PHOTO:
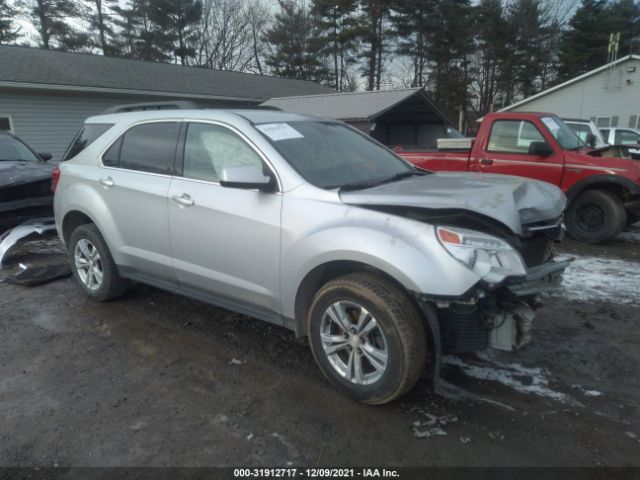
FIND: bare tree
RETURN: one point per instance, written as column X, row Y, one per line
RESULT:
column 230, row 35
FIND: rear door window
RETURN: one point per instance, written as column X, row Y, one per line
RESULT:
column 85, row 137
column 147, row 148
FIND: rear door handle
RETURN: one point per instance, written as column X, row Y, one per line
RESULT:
column 106, row 181
column 486, row 161
column 185, row 200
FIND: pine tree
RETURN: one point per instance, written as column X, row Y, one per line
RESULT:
column 9, row 31
column 127, row 23
column 51, row 18
column 177, row 20
column 412, row 23
column 144, row 39
column 297, row 50
column 101, row 20
column 374, row 33
column 338, row 29
column 584, row 45
column 624, row 16
column 490, row 56
column 527, row 43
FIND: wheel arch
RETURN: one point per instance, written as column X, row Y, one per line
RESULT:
column 620, row 186
column 72, row 220
column 330, row 270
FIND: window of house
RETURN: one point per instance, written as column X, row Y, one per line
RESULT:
column 603, row 122
column 634, row 121
column 6, row 122
column 148, row 148
column 513, row 136
column 626, row 137
column 210, row 148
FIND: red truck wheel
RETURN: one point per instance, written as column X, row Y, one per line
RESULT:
column 595, row 216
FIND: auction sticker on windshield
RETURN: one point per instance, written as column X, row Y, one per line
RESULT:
column 279, row 131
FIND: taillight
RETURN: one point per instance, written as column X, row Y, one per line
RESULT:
column 55, row 178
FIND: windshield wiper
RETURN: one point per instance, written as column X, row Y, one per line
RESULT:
column 375, row 183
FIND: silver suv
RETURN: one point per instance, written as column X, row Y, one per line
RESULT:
column 307, row 223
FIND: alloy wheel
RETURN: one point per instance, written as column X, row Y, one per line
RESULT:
column 354, row 342
column 88, row 264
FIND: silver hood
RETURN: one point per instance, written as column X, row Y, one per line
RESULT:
column 513, row 201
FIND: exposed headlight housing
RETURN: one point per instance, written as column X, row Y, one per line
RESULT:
column 490, row 257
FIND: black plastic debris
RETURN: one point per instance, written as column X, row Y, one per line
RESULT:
column 32, row 254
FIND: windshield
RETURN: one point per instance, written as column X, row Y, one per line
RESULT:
column 332, row 155
column 12, row 149
column 566, row 137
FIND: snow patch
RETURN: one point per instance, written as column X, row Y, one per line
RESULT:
column 522, row 379
column 632, row 234
column 592, row 393
column 594, row 278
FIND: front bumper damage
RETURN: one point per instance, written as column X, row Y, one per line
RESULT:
column 499, row 317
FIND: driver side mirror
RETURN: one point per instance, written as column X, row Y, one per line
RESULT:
column 540, row 149
column 249, row 177
column 45, row 156
column 591, row 140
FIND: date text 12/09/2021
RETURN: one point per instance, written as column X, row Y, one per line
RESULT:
column 315, row 473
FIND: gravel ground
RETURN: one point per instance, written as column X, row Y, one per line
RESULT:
column 155, row 379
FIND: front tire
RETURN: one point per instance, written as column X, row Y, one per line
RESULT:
column 595, row 216
column 367, row 338
column 93, row 266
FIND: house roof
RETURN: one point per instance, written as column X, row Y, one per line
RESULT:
column 36, row 68
column 570, row 82
column 355, row 106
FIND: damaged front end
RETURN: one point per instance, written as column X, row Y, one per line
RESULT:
column 500, row 314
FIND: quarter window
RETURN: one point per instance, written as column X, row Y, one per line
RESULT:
column 111, row 157
column 513, row 136
column 147, row 148
column 210, row 148
column 85, row 137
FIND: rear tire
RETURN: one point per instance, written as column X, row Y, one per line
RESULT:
column 595, row 216
column 379, row 339
column 93, row 266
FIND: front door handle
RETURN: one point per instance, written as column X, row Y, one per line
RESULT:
column 106, row 181
column 486, row 161
column 185, row 200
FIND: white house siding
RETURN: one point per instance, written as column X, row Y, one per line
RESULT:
column 608, row 93
column 48, row 121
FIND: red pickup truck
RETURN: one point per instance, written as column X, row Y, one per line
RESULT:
column 602, row 185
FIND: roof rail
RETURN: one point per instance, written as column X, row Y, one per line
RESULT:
column 137, row 107
column 177, row 105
